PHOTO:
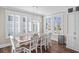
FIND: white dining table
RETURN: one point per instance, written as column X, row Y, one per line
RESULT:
column 24, row 39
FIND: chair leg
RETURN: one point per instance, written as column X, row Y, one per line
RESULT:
column 36, row 50
column 48, row 46
column 11, row 50
column 41, row 48
column 30, row 51
column 45, row 47
column 24, row 50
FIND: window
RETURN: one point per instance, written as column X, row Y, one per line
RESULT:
column 58, row 23
column 29, row 27
column 29, row 24
column 25, row 24
column 48, row 24
column 16, row 25
column 10, row 25
column 36, row 27
column 13, row 24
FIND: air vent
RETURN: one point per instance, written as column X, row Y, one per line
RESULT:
column 70, row 10
column 77, row 8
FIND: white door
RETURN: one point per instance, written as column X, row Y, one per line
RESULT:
column 71, row 41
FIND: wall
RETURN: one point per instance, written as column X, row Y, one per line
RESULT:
column 41, row 25
column 2, row 28
column 65, row 25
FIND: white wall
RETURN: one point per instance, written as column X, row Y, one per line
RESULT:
column 2, row 28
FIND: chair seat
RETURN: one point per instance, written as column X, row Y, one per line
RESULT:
column 26, row 46
column 20, row 49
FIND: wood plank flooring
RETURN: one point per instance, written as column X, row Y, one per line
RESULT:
column 55, row 48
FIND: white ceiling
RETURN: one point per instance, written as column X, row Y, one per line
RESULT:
column 42, row 10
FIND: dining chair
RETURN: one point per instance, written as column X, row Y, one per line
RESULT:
column 42, row 40
column 15, row 49
column 33, row 44
column 48, row 39
column 36, row 37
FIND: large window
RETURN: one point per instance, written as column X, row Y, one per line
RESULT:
column 58, row 23
column 29, row 26
column 16, row 25
column 48, row 24
column 24, row 30
column 33, row 26
column 36, row 27
column 13, row 24
column 10, row 26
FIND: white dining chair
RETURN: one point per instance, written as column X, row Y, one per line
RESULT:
column 48, row 38
column 15, row 49
column 42, row 40
column 33, row 44
column 36, row 37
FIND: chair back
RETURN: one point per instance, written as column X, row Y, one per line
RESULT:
column 33, row 43
column 43, row 39
column 49, row 36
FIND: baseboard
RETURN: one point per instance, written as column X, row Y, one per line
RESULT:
column 72, row 49
column 5, row 45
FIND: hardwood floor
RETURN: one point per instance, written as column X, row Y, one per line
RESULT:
column 55, row 48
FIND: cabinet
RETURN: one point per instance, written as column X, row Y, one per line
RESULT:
column 73, row 31
column 61, row 39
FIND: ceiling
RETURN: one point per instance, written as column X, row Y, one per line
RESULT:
column 41, row 10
